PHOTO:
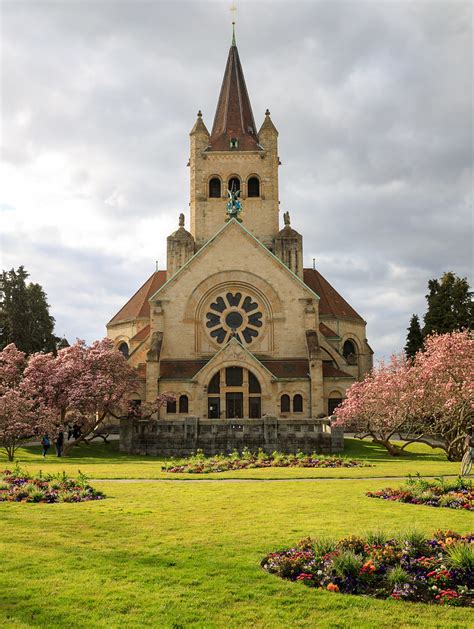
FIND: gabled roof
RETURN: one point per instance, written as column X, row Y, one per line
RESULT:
column 331, row 302
column 138, row 306
column 288, row 369
column 327, row 332
column 234, row 222
column 234, row 117
column 142, row 334
column 330, row 371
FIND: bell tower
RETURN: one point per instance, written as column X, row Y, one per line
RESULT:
column 234, row 156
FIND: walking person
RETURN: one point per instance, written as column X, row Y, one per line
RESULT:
column 59, row 443
column 45, row 444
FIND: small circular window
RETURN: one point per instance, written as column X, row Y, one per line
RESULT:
column 234, row 315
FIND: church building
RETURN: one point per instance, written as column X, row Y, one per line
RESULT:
column 236, row 327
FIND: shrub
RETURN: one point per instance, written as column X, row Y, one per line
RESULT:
column 347, row 564
column 397, row 576
column 461, row 555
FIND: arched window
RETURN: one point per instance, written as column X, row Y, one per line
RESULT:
column 183, row 404
column 215, row 188
column 215, row 383
column 297, row 403
column 349, row 352
column 285, row 403
column 253, row 187
column 123, row 347
column 171, row 406
column 254, row 384
column 234, row 184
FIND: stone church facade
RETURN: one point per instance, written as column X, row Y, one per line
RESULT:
column 236, row 328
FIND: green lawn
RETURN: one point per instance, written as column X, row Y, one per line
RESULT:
column 188, row 554
column 105, row 461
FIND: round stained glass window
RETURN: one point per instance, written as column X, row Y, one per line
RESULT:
column 234, row 315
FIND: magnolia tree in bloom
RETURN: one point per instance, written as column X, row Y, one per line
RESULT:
column 380, row 405
column 430, row 398
column 82, row 384
column 22, row 414
column 444, row 377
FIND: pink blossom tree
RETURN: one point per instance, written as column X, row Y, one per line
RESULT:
column 382, row 405
column 428, row 400
column 22, row 414
column 444, row 376
column 82, row 384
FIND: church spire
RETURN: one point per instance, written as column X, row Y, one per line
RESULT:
column 234, row 125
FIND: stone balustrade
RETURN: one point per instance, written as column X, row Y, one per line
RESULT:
column 182, row 437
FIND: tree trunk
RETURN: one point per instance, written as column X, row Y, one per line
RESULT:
column 391, row 448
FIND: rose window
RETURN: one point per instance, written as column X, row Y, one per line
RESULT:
column 234, row 315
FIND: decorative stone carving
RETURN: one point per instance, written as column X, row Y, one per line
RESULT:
column 155, row 347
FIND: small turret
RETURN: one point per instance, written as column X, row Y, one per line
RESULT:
column 268, row 134
column 288, row 246
column 180, row 248
column 199, row 133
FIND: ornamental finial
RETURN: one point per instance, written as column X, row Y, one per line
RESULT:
column 233, row 9
column 181, row 220
column 286, row 218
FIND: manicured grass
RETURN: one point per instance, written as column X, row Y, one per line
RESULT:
column 105, row 461
column 188, row 555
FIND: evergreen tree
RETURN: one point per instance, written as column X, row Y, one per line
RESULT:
column 24, row 314
column 414, row 337
column 450, row 306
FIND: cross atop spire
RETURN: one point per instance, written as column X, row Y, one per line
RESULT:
column 233, row 8
column 234, row 125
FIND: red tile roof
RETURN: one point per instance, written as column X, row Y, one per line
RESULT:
column 293, row 368
column 327, row 332
column 331, row 302
column 138, row 306
column 142, row 335
column 329, row 371
column 234, row 117
column 180, row 369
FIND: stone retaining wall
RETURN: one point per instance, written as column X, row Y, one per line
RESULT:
column 183, row 437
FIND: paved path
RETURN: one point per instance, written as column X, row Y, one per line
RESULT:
column 249, row 480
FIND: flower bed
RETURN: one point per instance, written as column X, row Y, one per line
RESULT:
column 412, row 568
column 453, row 494
column 199, row 464
column 19, row 486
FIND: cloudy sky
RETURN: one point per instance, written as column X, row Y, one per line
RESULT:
column 372, row 100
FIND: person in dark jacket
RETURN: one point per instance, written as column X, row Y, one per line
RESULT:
column 45, row 444
column 59, row 443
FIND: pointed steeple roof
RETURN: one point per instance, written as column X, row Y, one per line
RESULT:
column 234, row 117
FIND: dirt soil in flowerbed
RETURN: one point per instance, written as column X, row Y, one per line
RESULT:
column 451, row 493
column 438, row 570
column 199, row 464
column 19, row 486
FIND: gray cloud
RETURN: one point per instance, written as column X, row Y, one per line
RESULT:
column 372, row 100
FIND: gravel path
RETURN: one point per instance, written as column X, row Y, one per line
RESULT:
column 248, row 480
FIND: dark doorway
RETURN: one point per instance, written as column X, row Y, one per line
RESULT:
column 213, row 408
column 255, row 407
column 333, row 403
column 234, row 405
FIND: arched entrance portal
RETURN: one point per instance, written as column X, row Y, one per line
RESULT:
column 234, row 393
